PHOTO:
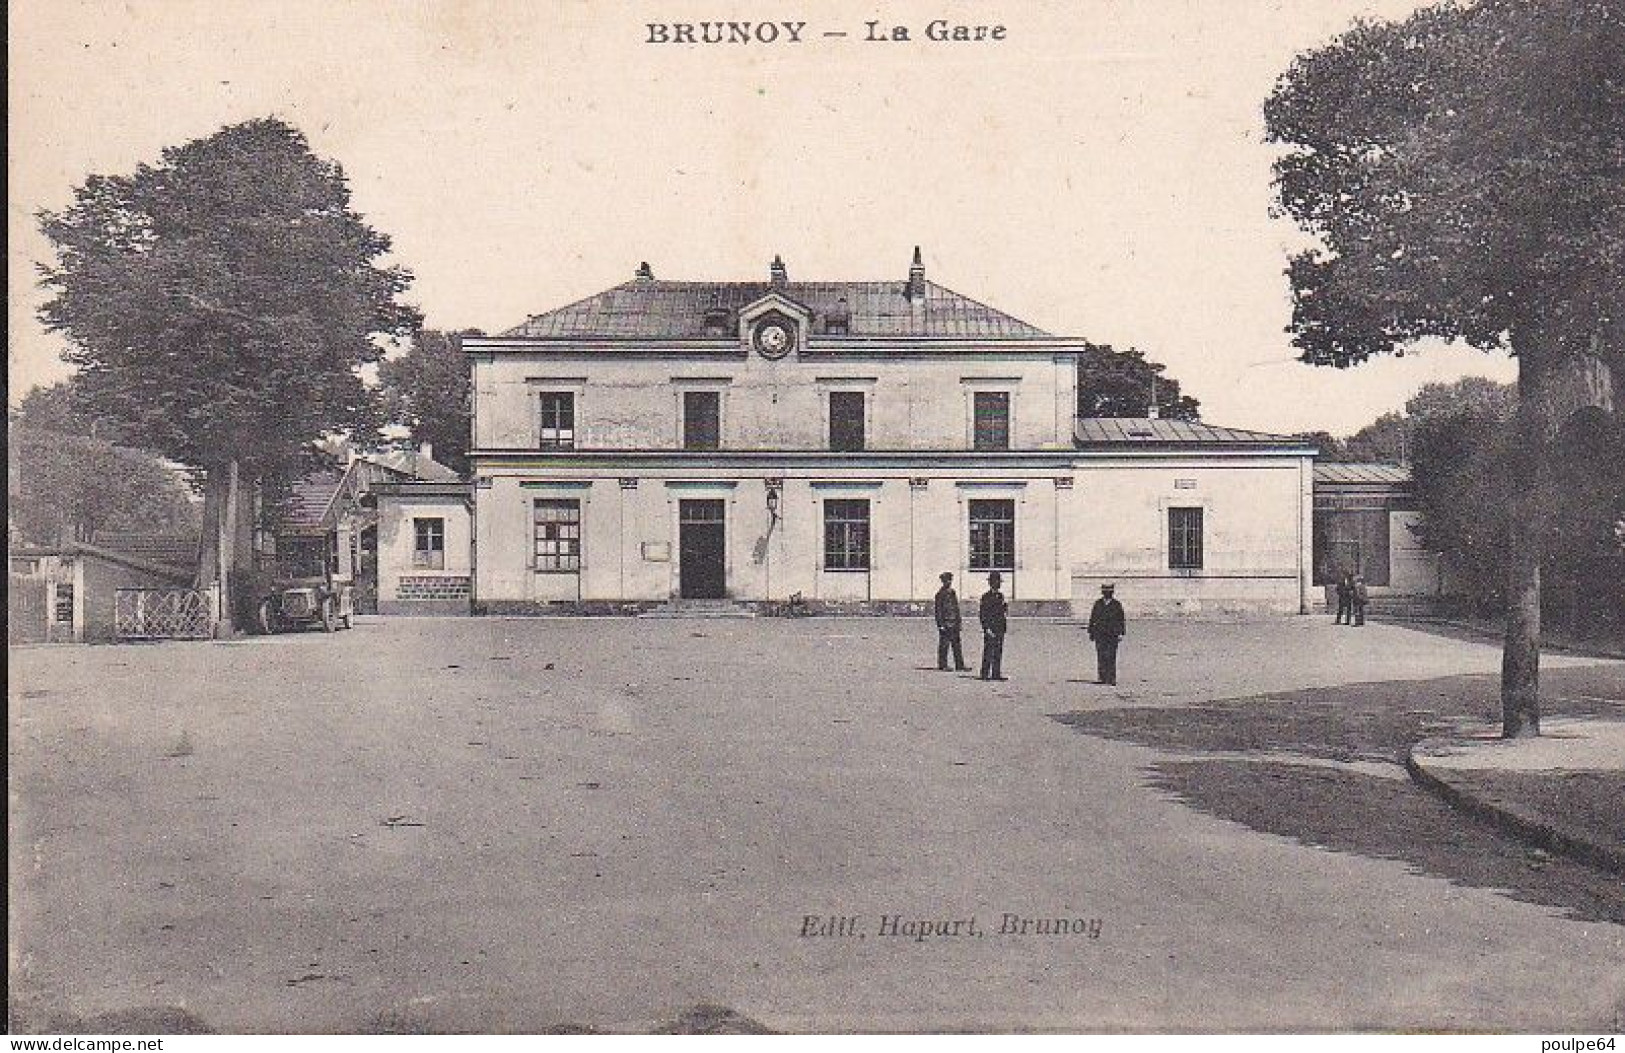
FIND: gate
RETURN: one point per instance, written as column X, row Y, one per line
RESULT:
column 164, row 614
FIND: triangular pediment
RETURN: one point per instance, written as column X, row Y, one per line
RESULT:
column 775, row 301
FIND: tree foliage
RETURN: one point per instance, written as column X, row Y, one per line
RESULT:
column 1330, row 447
column 1463, row 172
column 1465, row 490
column 68, row 487
column 220, row 303
column 72, row 480
column 220, row 306
column 1115, row 383
column 1391, row 437
column 426, row 391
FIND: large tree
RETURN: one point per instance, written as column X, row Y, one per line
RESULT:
column 426, row 391
column 1463, row 172
column 220, row 305
column 1114, row 383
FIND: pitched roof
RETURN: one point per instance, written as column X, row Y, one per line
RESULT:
column 317, row 500
column 1384, row 474
column 652, row 309
column 309, row 498
column 168, row 550
column 414, row 464
column 1117, row 432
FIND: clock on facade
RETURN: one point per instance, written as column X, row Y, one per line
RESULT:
column 773, row 337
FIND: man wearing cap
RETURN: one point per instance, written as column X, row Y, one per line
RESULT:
column 992, row 614
column 1107, row 625
column 948, row 622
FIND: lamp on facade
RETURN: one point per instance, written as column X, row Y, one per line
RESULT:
column 774, row 487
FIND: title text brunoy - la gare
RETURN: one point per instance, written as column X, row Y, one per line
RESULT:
column 938, row 30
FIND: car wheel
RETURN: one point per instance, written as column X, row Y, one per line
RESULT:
column 266, row 617
column 329, row 617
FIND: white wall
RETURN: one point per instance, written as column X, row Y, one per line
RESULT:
column 401, row 583
column 913, row 403
column 1077, row 524
column 1255, row 534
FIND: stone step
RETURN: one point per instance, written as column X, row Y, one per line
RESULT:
column 700, row 609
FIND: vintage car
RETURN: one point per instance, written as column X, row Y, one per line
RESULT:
column 307, row 602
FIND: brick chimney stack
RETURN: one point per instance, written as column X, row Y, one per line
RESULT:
column 645, row 273
column 916, row 277
column 778, row 274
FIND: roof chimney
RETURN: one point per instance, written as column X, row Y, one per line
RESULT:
column 777, row 273
column 645, row 273
column 916, row 277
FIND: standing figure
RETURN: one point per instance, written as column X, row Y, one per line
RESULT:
column 1345, row 599
column 992, row 614
column 1107, row 625
column 1361, row 598
column 948, row 622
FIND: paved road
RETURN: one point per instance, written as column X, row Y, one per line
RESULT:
column 501, row 824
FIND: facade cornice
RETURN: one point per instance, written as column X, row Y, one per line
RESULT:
column 818, row 347
column 902, row 460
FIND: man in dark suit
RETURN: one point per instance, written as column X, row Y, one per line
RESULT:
column 1107, row 625
column 948, row 621
column 992, row 614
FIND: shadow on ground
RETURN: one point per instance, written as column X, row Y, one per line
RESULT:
column 138, row 1020
column 704, row 1019
column 1346, row 810
column 172, row 1020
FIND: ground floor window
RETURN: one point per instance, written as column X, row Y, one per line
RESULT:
column 429, row 542
column 62, row 613
column 1185, row 539
column 993, row 535
column 558, row 534
column 846, row 534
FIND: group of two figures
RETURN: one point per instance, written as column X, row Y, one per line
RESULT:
column 1107, row 625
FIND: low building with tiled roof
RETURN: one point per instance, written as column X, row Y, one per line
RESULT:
column 675, row 442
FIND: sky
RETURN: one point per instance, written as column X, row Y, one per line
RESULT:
column 1101, row 172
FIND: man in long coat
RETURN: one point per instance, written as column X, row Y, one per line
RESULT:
column 1107, row 625
column 992, row 613
column 949, row 620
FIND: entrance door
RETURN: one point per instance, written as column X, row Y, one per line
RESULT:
column 701, row 542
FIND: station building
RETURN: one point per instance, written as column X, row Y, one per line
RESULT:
column 682, row 442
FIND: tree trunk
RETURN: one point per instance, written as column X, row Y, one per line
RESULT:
column 1526, row 535
column 1552, row 385
column 218, row 556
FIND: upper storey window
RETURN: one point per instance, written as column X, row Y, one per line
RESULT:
column 702, row 420
column 846, row 420
column 558, row 420
column 991, row 411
